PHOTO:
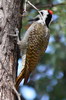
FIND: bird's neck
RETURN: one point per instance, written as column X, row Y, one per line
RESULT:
column 42, row 20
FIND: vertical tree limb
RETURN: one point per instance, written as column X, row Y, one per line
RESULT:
column 9, row 20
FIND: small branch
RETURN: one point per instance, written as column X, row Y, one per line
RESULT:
column 26, row 1
column 35, row 9
column 12, row 87
column 16, row 92
column 50, row 5
column 53, row 5
column 32, row 5
column 25, row 5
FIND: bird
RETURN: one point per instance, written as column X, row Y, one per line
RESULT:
column 34, row 44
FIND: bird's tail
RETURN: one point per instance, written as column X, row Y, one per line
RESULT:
column 23, row 75
column 19, row 78
column 27, row 74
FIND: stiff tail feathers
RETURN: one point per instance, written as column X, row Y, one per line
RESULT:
column 23, row 75
column 19, row 78
column 27, row 74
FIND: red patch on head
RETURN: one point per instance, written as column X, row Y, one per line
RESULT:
column 50, row 11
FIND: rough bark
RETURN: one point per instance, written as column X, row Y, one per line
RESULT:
column 9, row 20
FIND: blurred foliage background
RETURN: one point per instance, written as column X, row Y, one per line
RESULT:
column 48, row 81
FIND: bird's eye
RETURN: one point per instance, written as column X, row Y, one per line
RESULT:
column 42, row 13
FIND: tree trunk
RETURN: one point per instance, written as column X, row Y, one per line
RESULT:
column 9, row 20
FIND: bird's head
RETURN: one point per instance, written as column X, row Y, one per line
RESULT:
column 45, row 17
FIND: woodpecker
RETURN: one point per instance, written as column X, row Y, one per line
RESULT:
column 34, row 44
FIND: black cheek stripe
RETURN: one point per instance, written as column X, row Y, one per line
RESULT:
column 48, row 19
